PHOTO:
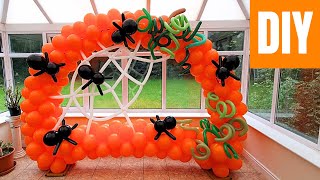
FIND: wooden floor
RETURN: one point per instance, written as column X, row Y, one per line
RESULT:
column 130, row 168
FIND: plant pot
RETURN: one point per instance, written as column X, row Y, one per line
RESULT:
column 16, row 111
column 6, row 162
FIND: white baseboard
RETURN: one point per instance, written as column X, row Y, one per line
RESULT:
column 259, row 166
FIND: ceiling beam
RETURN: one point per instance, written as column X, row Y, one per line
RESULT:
column 244, row 9
column 203, row 5
column 94, row 7
column 43, row 11
column 5, row 11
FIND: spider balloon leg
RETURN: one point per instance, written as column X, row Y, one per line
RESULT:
column 170, row 135
column 152, row 120
column 100, row 90
column 215, row 64
column 222, row 82
column 63, row 122
column 87, row 84
column 74, row 126
column 234, row 77
column 54, row 77
column 71, row 141
column 39, row 73
column 158, row 118
column 157, row 136
column 57, row 147
column 130, row 38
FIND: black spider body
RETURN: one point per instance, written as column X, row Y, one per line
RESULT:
column 225, row 67
column 163, row 126
column 129, row 27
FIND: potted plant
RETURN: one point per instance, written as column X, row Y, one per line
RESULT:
column 12, row 100
column 6, row 157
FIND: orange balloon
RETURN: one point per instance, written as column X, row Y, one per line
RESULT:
column 217, row 153
column 221, row 91
column 175, row 152
column 66, row 30
column 103, row 150
column 92, row 32
column 48, row 47
column 89, row 142
column 27, row 130
column 164, row 143
column 207, row 46
column 32, row 83
column 27, row 140
column 209, row 56
column 102, row 133
column 105, row 39
column 51, row 90
column 138, row 153
column 65, row 148
column 138, row 13
column 114, row 14
column 72, row 56
column 234, row 164
column 69, row 160
column 150, row 132
column 90, row 19
column 115, row 126
column 37, row 97
column 139, row 125
column 58, row 166
column 23, row 116
column 92, row 155
column 208, row 84
column 126, row 132
column 49, row 122
column 114, row 141
column 180, row 54
column 161, row 154
column 89, row 45
column 220, row 170
column 129, row 15
column 79, row 28
column 139, row 140
column 78, row 153
column 44, row 161
column 210, row 71
column 103, row 22
column 34, row 149
column 38, row 135
column 185, row 158
column 74, row 42
column 126, row 149
column 57, row 56
column 59, row 42
column 178, row 132
column 34, row 119
column 25, row 92
column 241, row 109
column 47, row 108
column 235, row 97
column 115, row 153
column 195, row 57
column 187, row 145
column 197, row 70
column 150, row 150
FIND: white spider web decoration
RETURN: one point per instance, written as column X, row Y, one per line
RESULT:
column 121, row 52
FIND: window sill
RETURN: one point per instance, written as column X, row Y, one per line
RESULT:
column 146, row 115
column 285, row 138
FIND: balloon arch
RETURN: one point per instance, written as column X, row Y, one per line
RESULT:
column 215, row 143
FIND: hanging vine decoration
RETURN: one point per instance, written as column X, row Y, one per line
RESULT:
column 204, row 155
column 185, row 122
column 179, row 24
column 220, row 136
column 220, row 105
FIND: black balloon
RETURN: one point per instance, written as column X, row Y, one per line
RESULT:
column 231, row 62
column 85, row 72
column 98, row 78
column 36, row 62
column 162, row 126
column 224, row 67
column 51, row 138
column 130, row 26
column 170, row 122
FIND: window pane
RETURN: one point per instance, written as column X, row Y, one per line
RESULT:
column 183, row 92
column 20, row 71
column 25, row 43
column 298, row 104
column 227, row 40
column 2, row 95
column 66, row 91
column 1, row 45
column 238, row 71
column 107, row 100
column 151, row 94
column 260, row 92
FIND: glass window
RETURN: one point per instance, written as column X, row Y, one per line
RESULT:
column 183, row 92
column 2, row 94
column 238, row 71
column 66, row 91
column 1, row 47
column 227, row 40
column 20, row 71
column 151, row 94
column 298, row 107
column 112, row 74
column 260, row 92
column 25, row 43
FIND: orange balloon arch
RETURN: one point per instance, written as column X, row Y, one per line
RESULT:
column 215, row 143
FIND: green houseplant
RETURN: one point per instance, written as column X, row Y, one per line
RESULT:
column 6, row 157
column 12, row 101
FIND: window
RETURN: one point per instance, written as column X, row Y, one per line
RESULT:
column 151, row 94
column 25, row 43
column 2, row 86
column 260, row 92
column 298, row 108
column 19, row 73
column 183, row 92
column 227, row 40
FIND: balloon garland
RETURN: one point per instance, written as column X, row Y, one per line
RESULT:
column 215, row 143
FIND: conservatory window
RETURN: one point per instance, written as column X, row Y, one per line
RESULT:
column 2, row 106
column 260, row 92
column 25, row 43
column 298, row 107
column 227, row 40
column 20, row 71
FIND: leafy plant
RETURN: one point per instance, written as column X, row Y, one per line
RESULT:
column 12, row 97
column 5, row 148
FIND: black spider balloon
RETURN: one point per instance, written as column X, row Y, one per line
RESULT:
column 225, row 67
column 163, row 126
column 129, row 27
column 55, row 138
column 38, row 62
column 86, row 72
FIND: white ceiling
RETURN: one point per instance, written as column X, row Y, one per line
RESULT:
column 68, row 11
